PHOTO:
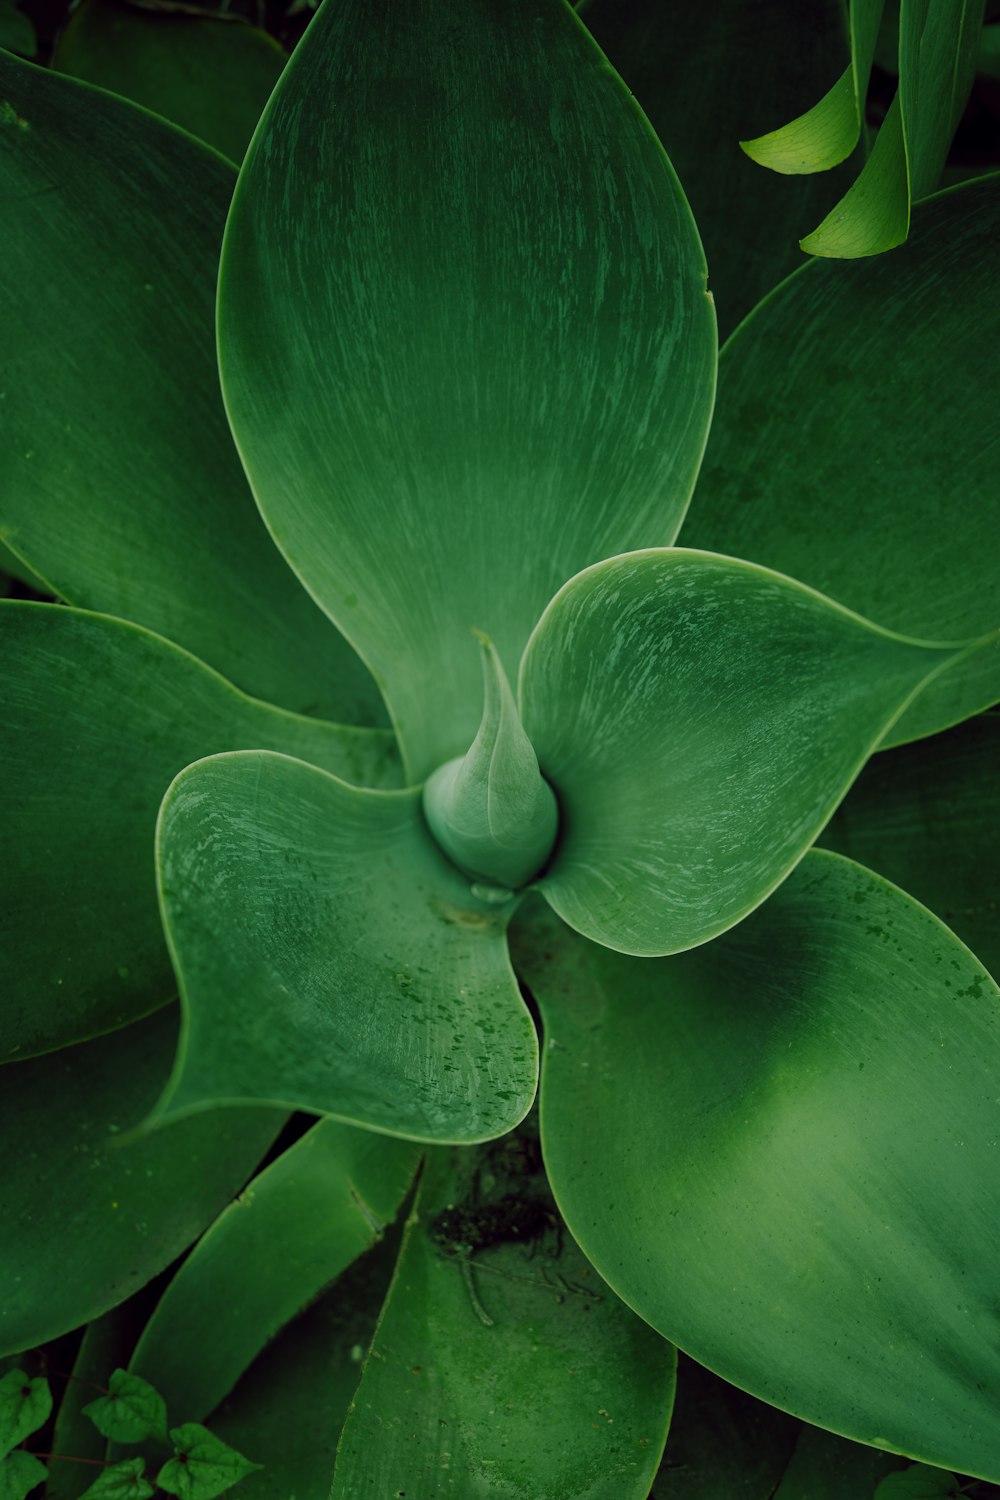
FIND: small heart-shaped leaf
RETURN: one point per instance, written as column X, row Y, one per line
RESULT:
column 131, row 1411
column 24, row 1406
column 204, row 1467
column 20, row 1472
column 122, row 1481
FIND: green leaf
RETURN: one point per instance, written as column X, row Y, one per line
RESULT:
column 17, row 34
column 123, row 1206
column 826, row 1467
column 925, row 817
column 131, row 1411
column 106, row 1345
column 19, row 1473
column 700, row 719
column 119, row 483
column 826, row 134
column 291, row 1404
column 486, row 341
column 24, row 1406
column 918, row 1483
column 798, row 1183
column 828, row 461
column 937, row 55
column 765, row 61
column 330, row 957
column 99, row 716
column 122, row 1481
column 509, row 1369
column 204, row 1466
column 210, row 76
column 290, row 1233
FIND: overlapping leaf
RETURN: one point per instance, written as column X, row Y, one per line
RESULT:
column 331, row 958
column 797, row 1183
column 119, row 483
column 290, row 1234
column 126, row 1205
column 99, row 717
column 699, row 718
column 483, row 359
column 853, row 446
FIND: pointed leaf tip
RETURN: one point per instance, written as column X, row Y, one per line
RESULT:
column 491, row 810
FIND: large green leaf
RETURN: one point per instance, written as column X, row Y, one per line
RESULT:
column 465, row 342
column 331, row 958
column 119, row 483
column 782, row 1150
column 851, row 448
column 707, row 75
column 700, row 718
column 291, row 1232
column 503, row 1366
column 91, row 1214
column 925, row 816
column 211, row 76
column 99, row 716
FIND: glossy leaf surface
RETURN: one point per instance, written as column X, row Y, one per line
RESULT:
column 811, row 1110
column 487, row 346
column 290, row 1233
column 699, row 718
column 849, row 445
column 706, row 75
column 126, row 1205
column 119, row 483
column 925, row 816
column 506, row 1371
column 99, row 717
column 212, row 77
column 330, row 957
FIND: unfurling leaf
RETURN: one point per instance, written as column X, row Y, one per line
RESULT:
column 204, row 1466
column 24, row 1406
column 131, row 1411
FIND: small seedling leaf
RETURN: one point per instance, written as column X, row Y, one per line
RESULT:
column 122, row 1481
column 131, row 1411
column 19, row 1473
column 918, row 1483
column 204, row 1465
column 24, row 1406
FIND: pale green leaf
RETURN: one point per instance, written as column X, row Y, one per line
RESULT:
column 799, row 1183
column 207, row 75
column 854, row 443
column 205, row 1466
column 829, row 132
column 122, row 1481
column 699, row 718
column 330, row 957
column 25, row 1404
column 99, row 717
column 81, row 1192
column 131, row 1411
column 463, row 320
column 502, row 1366
column 290, row 1233
column 19, row 1473
column 119, row 482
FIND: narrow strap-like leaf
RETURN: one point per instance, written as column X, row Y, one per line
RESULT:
column 330, row 957
column 799, row 1183
column 464, row 337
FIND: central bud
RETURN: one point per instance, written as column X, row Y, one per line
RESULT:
column 491, row 810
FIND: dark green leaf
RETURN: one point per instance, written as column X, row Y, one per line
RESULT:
column 99, row 716
column 91, row 1214
column 848, row 443
column 204, row 1467
column 290, row 1233
column 119, row 482
column 826, row 1467
column 131, row 1411
column 122, row 1481
column 699, row 719
column 486, row 344
column 330, row 957
column 24, row 1407
column 105, row 1346
column 17, row 34
column 19, row 1473
column 918, row 1483
column 782, row 1150
column 502, row 1365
